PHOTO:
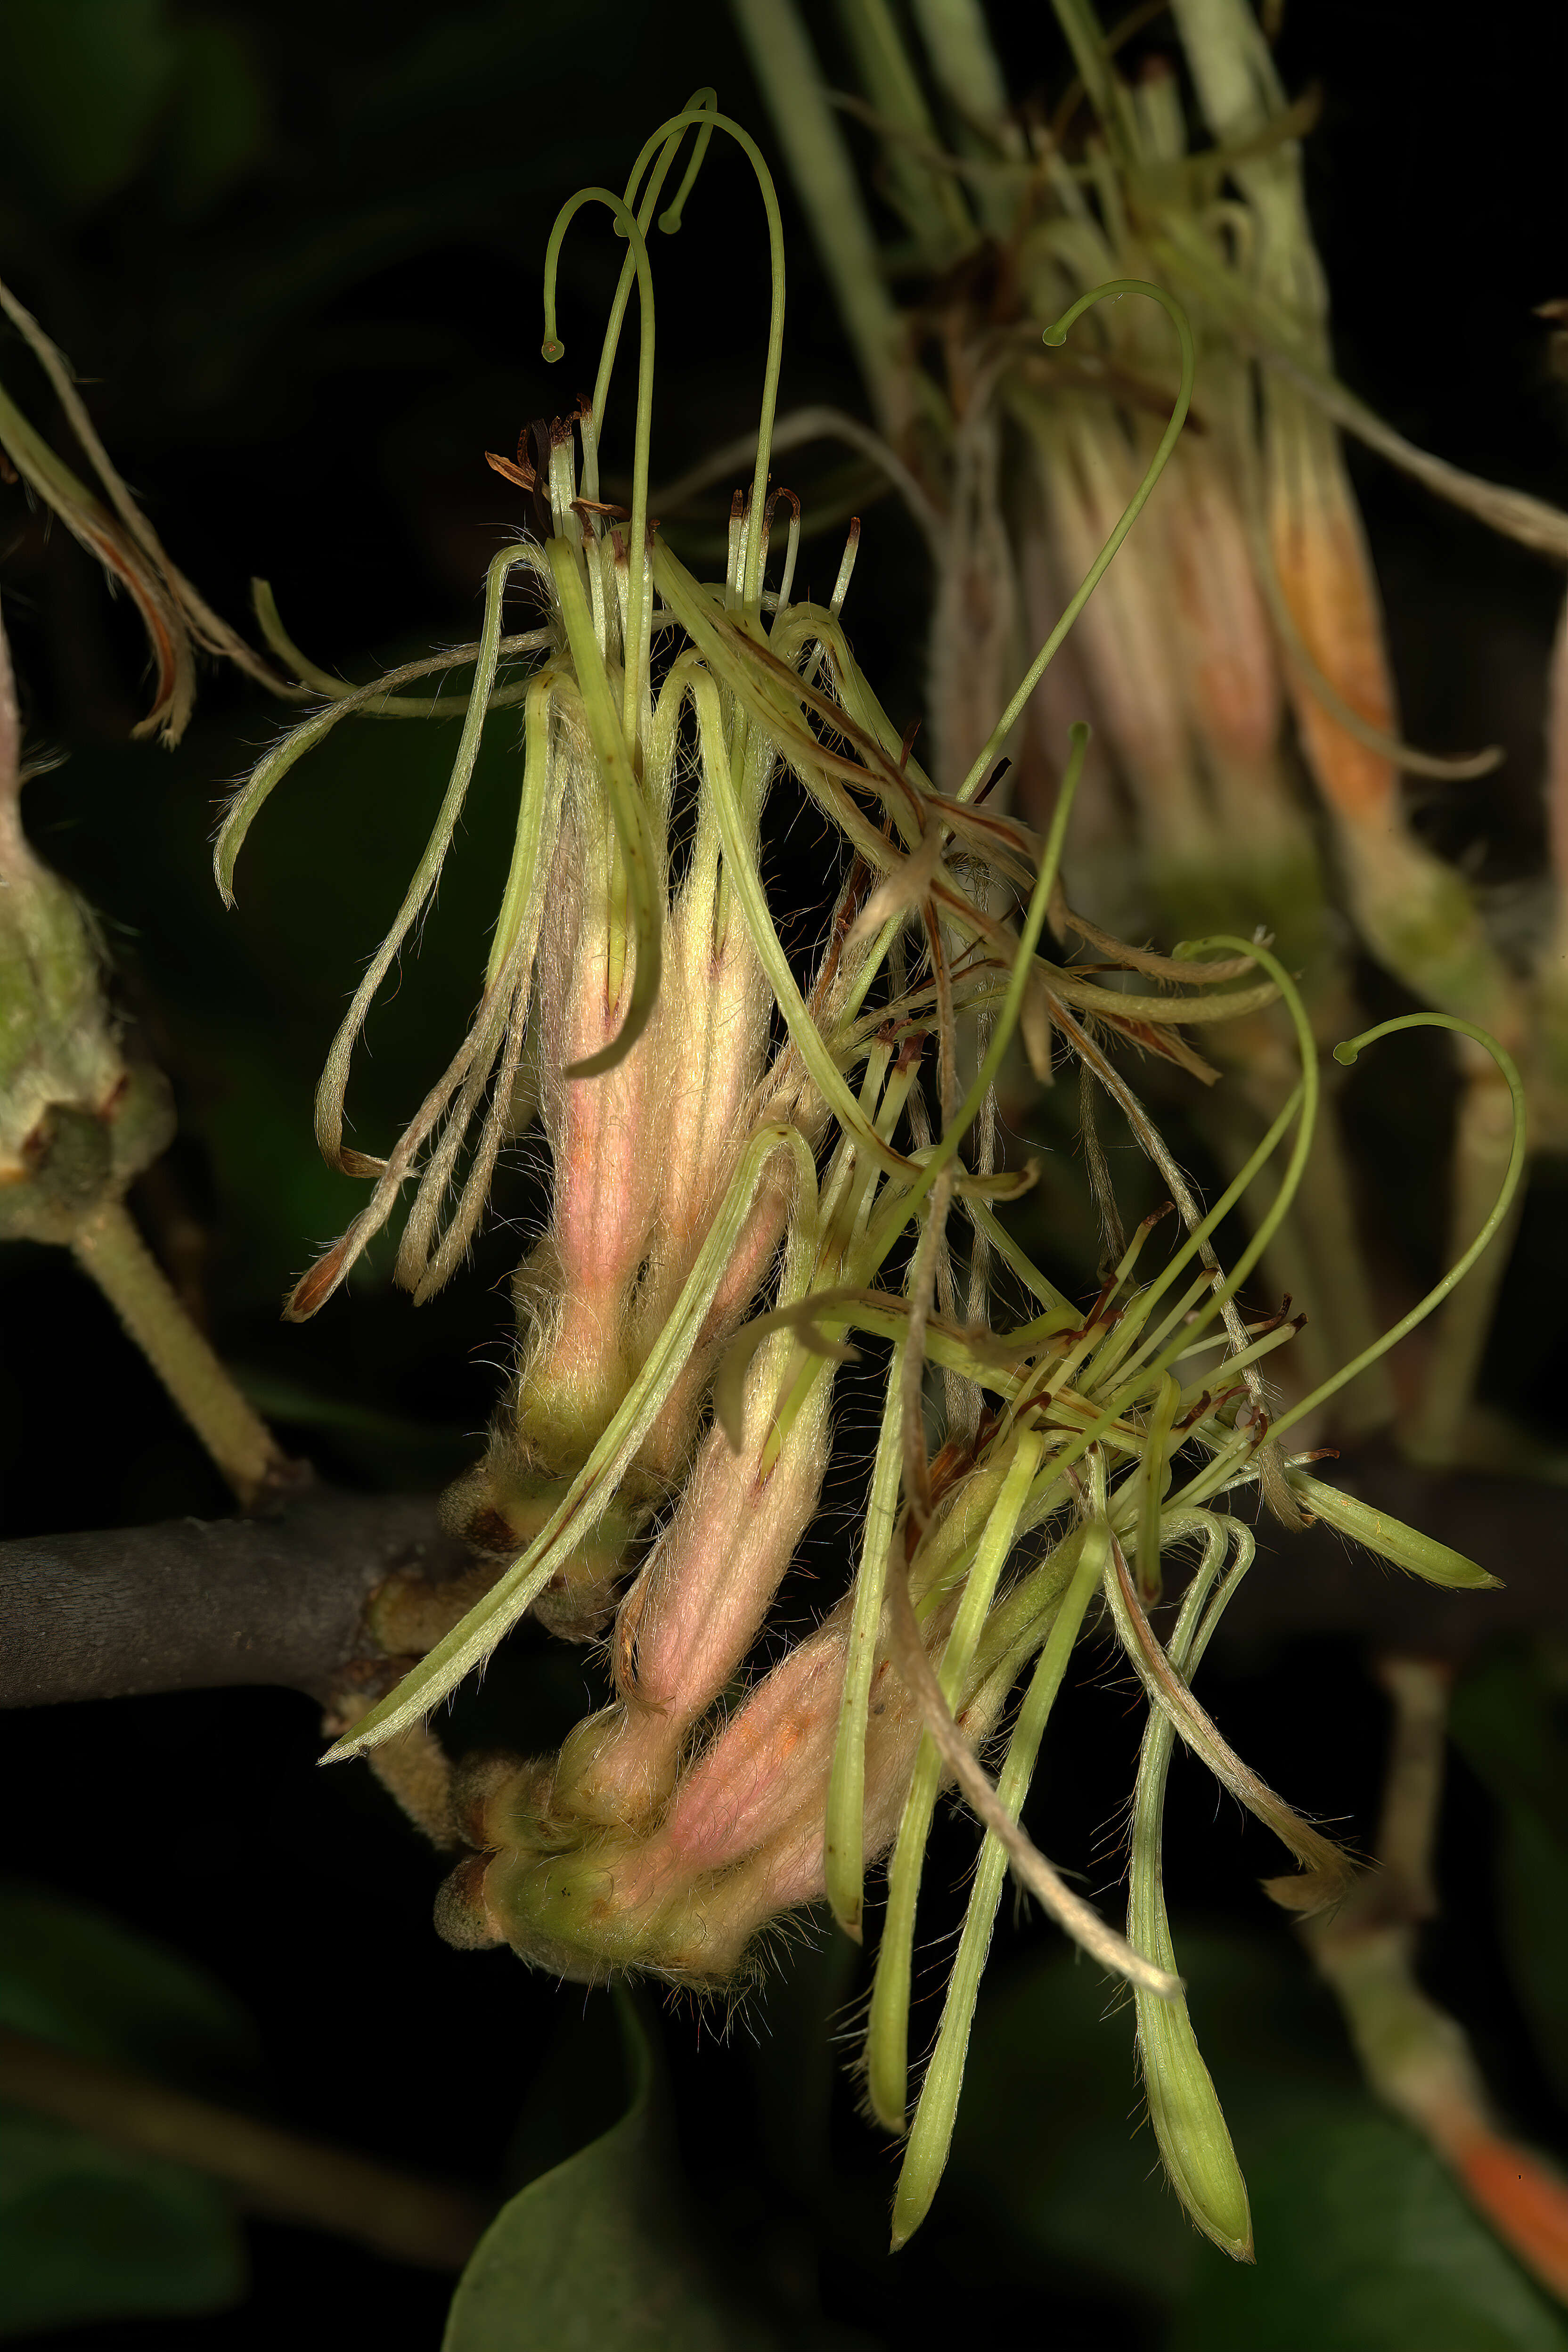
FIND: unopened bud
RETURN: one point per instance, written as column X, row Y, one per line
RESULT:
column 499, row 1508
column 77, row 1117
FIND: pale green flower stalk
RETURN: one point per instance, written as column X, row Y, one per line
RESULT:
column 744, row 1174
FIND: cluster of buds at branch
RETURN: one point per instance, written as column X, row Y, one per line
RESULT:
column 746, row 1172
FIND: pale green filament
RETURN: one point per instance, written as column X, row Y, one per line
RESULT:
column 1183, row 2106
column 1305, row 1098
column 1155, row 1475
column 632, row 694
column 358, row 701
column 1059, row 335
column 709, row 121
column 333, row 1085
column 844, row 1842
column 1013, row 1005
column 705, row 100
column 524, row 879
column 706, row 97
column 886, row 2040
column 1347, row 1053
column 634, row 835
column 932, row 2135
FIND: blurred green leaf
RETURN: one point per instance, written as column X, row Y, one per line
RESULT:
column 1082, row 2185
column 71, row 1975
column 82, row 83
column 598, row 2253
column 1364, row 2243
column 90, row 2232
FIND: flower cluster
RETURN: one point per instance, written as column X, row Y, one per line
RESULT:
column 1248, row 763
column 746, row 1170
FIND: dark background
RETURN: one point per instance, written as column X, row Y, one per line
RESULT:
column 295, row 251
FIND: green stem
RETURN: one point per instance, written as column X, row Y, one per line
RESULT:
column 109, row 1247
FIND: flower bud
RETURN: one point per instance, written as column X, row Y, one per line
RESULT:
column 79, row 1118
column 501, row 1503
column 741, row 1841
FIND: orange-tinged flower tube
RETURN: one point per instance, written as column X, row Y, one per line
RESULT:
column 1415, row 912
column 1325, row 574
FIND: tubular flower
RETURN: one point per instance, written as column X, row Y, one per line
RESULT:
column 748, row 1171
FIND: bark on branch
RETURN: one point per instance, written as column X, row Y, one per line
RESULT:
column 308, row 1597
column 194, row 1604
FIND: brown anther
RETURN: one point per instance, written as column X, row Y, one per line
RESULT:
column 992, row 780
column 311, row 1288
column 628, row 1623
column 908, row 744
column 1095, row 1312
column 521, row 479
column 953, row 1462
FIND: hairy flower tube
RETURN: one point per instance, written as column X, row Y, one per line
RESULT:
column 750, row 1173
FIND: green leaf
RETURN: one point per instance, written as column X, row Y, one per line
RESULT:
column 90, row 2232
column 1082, row 2189
column 1364, row 2243
column 71, row 1975
column 82, row 83
column 598, row 2256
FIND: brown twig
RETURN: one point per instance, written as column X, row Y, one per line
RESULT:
column 277, row 2172
column 194, row 1605
column 331, row 1579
